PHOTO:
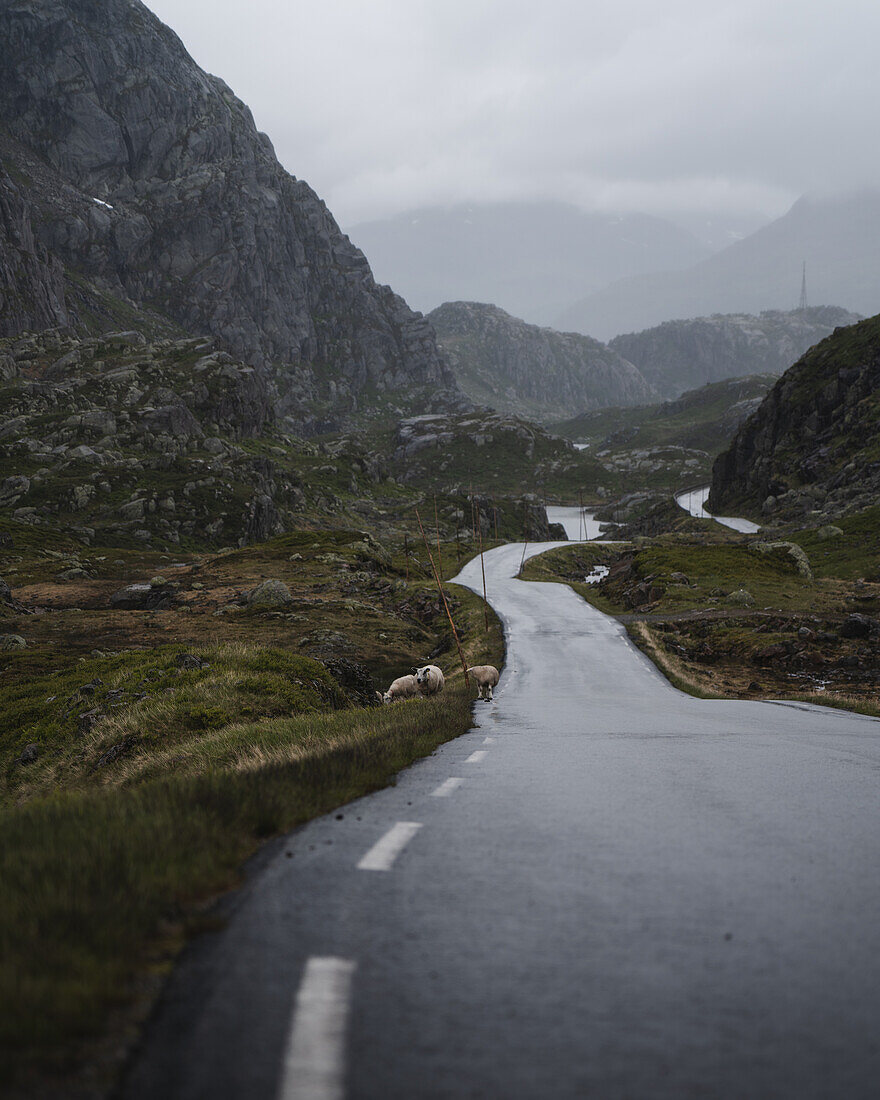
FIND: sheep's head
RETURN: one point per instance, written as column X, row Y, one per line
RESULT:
column 386, row 698
column 422, row 674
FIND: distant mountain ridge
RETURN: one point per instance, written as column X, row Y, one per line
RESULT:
column 681, row 355
column 838, row 238
column 529, row 258
column 519, row 368
column 147, row 180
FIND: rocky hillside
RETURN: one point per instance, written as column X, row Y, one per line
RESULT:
column 812, row 450
column 31, row 281
column 681, row 355
column 493, row 453
column 529, row 371
column 147, row 180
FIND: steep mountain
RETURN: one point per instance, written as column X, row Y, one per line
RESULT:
column 680, row 355
column 31, row 281
column 147, row 178
column 838, row 238
column 812, row 449
column 519, row 368
column 531, row 258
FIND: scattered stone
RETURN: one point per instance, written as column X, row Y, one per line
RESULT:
column 142, row 597
column 89, row 719
column 829, row 531
column 796, row 553
column 270, row 593
column 740, row 598
column 857, row 626
column 29, row 754
column 12, row 490
column 12, row 641
column 190, row 661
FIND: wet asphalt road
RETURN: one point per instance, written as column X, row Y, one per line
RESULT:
column 631, row 894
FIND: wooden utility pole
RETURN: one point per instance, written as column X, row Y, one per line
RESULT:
column 445, row 604
column 483, row 569
column 437, row 528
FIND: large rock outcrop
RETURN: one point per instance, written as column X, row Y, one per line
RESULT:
column 31, row 281
column 522, row 369
column 682, row 355
column 810, row 450
column 151, row 181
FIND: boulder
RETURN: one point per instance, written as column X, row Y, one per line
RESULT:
column 270, row 594
column 141, row 597
column 12, row 490
column 12, row 641
column 858, row 626
column 740, row 598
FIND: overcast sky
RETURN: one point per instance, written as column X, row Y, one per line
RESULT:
column 681, row 105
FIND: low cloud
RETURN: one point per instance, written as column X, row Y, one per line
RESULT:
column 619, row 104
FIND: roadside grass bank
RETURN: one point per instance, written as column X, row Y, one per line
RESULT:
column 164, row 760
column 737, row 620
column 98, row 886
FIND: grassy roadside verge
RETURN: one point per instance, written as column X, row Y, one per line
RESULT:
column 685, row 604
column 105, row 872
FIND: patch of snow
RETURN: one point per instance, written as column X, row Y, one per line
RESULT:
column 101, row 202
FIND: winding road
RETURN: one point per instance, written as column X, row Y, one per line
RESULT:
column 607, row 889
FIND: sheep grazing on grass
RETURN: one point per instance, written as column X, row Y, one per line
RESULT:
column 404, row 687
column 486, row 677
column 429, row 679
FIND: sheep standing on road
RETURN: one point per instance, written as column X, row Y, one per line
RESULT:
column 429, row 679
column 486, row 677
column 404, row 687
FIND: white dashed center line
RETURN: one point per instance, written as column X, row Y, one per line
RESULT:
column 447, row 787
column 314, row 1062
column 476, row 757
column 385, row 851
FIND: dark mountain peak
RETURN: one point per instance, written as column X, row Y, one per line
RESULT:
column 149, row 178
column 810, row 450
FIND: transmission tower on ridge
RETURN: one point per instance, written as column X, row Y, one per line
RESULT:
column 803, row 302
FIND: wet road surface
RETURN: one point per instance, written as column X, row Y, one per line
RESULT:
column 609, row 889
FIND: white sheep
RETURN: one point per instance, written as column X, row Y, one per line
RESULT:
column 404, row 687
column 486, row 676
column 429, row 679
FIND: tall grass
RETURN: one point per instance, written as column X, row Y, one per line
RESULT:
column 89, row 876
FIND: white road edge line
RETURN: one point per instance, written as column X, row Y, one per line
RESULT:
column 314, row 1062
column 447, row 787
column 476, row 757
column 385, row 851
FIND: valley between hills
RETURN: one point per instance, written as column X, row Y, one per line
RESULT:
column 238, row 475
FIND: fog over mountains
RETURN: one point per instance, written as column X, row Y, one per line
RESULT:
column 529, row 258
column 603, row 275
column 838, row 238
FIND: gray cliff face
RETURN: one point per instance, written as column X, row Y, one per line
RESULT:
column 31, row 281
column 151, row 180
column 809, row 453
column 520, row 368
column 681, row 355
